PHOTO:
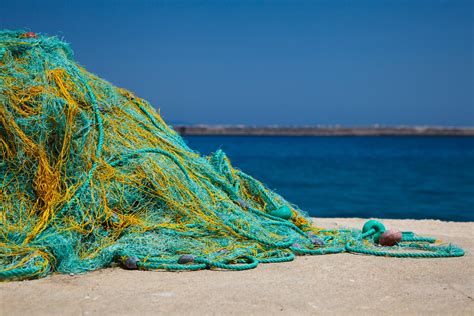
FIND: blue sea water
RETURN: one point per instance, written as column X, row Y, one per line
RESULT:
column 386, row 177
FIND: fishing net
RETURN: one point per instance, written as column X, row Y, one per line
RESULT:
column 91, row 177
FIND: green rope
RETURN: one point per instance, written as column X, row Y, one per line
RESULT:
column 372, row 228
column 277, row 257
column 40, row 267
column 171, row 266
column 429, row 252
column 409, row 236
column 318, row 251
column 250, row 263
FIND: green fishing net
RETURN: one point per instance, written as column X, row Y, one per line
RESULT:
column 91, row 177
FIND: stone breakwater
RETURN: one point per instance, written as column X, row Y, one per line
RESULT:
column 321, row 131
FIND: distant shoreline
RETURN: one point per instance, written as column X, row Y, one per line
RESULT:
column 217, row 130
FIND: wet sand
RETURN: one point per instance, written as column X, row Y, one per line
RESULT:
column 330, row 284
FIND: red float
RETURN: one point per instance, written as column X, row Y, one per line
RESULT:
column 29, row 35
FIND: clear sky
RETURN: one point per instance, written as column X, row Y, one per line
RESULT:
column 274, row 62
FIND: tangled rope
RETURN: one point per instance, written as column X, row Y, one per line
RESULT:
column 92, row 177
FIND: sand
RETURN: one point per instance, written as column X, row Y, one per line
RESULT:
column 331, row 284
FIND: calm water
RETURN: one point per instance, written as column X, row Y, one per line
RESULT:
column 387, row 177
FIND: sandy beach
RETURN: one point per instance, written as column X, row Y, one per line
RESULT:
column 331, row 284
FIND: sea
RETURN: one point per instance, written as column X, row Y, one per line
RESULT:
column 382, row 177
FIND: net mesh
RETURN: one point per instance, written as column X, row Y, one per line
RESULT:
column 91, row 176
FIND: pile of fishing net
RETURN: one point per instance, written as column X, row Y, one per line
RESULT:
column 91, row 177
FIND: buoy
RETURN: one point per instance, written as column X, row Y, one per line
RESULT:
column 390, row 237
column 282, row 212
column 376, row 225
column 130, row 263
column 29, row 35
column 315, row 240
column 186, row 259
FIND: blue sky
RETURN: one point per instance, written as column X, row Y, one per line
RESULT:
column 274, row 62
